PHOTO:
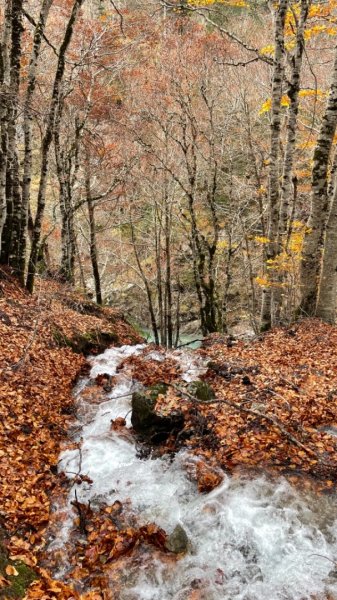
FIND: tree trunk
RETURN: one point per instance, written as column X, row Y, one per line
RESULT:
column 268, row 308
column 5, row 101
column 93, row 244
column 13, row 192
column 27, row 130
column 326, row 307
column 313, row 242
column 46, row 142
column 293, row 94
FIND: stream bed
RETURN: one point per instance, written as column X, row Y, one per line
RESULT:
column 250, row 538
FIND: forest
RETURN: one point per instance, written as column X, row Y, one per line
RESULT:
column 168, row 298
column 158, row 156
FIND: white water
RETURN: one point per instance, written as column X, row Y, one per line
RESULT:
column 250, row 539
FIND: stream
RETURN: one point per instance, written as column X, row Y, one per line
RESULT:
column 251, row 538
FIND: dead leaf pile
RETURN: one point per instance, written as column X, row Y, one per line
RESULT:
column 38, row 371
column 150, row 371
column 275, row 402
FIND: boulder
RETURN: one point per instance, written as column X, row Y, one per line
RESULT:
column 178, row 541
column 152, row 425
column 201, row 390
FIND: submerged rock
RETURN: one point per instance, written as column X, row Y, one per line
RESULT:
column 151, row 424
column 178, row 541
column 201, row 390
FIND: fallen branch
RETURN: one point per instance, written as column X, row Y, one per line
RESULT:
column 189, row 343
column 273, row 420
column 82, row 514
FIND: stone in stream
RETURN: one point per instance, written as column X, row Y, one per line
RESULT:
column 145, row 420
column 201, row 390
column 178, row 541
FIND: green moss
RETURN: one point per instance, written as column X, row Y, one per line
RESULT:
column 201, row 390
column 84, row 343
column 18, row 584
column 155, row 390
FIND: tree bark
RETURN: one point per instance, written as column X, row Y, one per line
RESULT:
column 27, row 129
column 327, row 299
column 313, row 242
column 46, row 142
column 93, row 244
column 13, row 191
column 290, row 150
column 5, row 99
column 268, row 309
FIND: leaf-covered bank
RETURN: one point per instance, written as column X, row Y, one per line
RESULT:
column 43, row 338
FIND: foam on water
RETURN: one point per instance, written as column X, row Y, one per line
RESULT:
column 250, row 539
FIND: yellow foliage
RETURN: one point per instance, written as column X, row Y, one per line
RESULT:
column 317, row 29
column 303, row 174
column 306, row 93
column 297, row 225
column 266, row 106
column 222, row 244
column 307, row 144
column 290, row 45
column 261, row 239
column 296, row 242
column 239, row 3
column 268, row 50
column 285, row 101
column 263, row 281
column 318, row 10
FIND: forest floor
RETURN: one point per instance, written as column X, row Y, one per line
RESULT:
column 274, row 408
column 44, row 339
column 274, row 404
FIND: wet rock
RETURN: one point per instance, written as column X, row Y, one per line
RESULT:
column 152, row 425
column 178, row 541
column 201, row 390
column 206, row 476
column 4, row 318
column 143, row 405
column 333, row 574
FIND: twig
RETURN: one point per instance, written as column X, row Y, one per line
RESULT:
column 327, row 558
column 82, row 516
column 259, row 414
column 32, row 22
column 188, row 343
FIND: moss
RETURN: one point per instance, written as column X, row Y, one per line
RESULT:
column 85, row 307
column 201, row 390
column 84, row 343
column 18, row 584
column 155, row 390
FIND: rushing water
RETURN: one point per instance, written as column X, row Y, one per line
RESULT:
column 251, row 539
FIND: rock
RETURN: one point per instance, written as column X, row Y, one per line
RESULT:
column 333, row 574
column 178, row 541
column 205, row 475
column 201, row 390
column 142, row 411
column 145, row 420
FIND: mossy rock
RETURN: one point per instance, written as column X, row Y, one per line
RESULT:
column 143, row 404
column 151, row 425
column 201, row 390
column 178, row 541
column 85, row 343
column 17, row 584
column 85, row 307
